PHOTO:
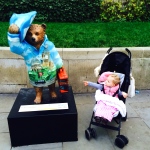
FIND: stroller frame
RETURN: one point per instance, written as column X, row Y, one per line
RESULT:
column 90, row 132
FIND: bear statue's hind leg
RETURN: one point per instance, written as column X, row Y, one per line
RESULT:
column 52, row 91
column 38, row 91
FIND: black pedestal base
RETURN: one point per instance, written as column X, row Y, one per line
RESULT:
column 38, row 127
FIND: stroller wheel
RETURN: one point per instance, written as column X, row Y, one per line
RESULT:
column 124, row 118
column 87, row 134
column 121, row 141
column 93, row 133
column 125, row 139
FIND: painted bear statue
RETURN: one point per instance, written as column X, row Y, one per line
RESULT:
column 40, row 55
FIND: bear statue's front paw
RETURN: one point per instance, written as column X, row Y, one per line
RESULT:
column 53, row 94
column 37, row 100
column 13, row 29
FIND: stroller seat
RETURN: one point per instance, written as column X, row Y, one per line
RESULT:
column 120, row 63
column 108, row 106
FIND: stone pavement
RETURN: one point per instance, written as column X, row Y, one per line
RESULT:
column 136, row 128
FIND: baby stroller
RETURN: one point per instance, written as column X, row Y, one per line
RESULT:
column 118, row 62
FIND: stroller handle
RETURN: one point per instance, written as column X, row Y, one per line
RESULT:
column 128, row 51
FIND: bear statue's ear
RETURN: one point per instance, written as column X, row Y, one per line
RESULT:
column 43, row 25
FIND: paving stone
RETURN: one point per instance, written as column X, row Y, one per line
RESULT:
column 6, row 102
column 3, row 122
column 137, row 132
column 142, row 96
column 51, row 146
column 131, row 113
column 136, row 128
column 102, row 140
column 84, row 98
column 145, row 115
column 5, row 141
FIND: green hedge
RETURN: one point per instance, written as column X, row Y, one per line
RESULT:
column 78, row 10
column 53, row 10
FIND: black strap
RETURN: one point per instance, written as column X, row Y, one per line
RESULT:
column 113, row 94
column 103, row 89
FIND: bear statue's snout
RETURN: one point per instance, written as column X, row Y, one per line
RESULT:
column 33, row 39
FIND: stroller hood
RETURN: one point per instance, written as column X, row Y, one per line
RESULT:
column 118, row 62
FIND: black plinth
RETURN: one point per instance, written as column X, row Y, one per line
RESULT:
column 38, row 127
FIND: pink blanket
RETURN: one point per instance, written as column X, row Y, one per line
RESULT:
column 108, row 106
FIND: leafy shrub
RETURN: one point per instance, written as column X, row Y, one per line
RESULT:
column 110, row 10
column 132, row 10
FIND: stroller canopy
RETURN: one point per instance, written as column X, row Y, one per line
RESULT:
column 118, row 62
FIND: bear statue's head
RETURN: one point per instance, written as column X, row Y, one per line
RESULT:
column 35, row 35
